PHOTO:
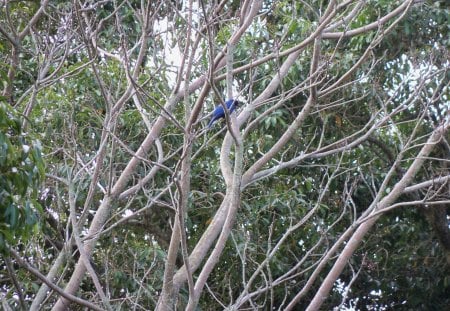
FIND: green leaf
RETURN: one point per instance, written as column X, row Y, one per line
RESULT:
column 11, row 216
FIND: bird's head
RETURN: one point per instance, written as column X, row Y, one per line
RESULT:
column 233, row 102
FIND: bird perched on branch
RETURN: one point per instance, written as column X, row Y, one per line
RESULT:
column 219, row 113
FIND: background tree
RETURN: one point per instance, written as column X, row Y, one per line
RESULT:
column 328, row 188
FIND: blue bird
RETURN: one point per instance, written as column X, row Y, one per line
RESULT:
column 219, row 113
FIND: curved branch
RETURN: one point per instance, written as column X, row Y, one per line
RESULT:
column 362, row 229
column 372, row 26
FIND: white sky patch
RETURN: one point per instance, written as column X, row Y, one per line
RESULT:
column 127, row 213
column 25, row 148
column 173, row 53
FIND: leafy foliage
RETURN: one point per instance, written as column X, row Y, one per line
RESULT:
column 22, row 170
column 76, row 84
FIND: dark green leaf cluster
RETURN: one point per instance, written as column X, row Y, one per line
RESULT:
column 21, row 171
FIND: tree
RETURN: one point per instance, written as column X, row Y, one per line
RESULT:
column 307, row 197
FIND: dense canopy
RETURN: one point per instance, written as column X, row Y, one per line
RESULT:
column 328, row 187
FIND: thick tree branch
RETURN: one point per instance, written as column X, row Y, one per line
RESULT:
column 362, row 229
